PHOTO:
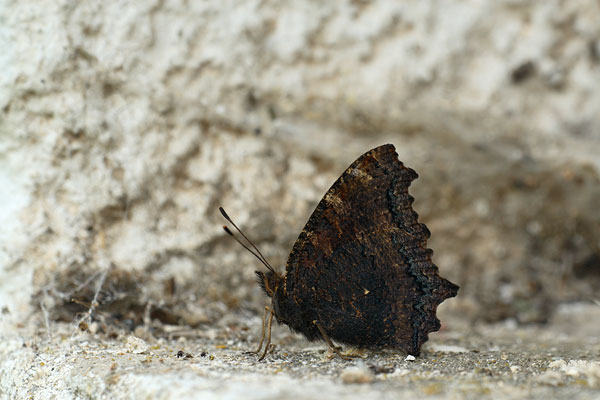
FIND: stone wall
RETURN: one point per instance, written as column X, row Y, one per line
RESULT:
column 124, row 126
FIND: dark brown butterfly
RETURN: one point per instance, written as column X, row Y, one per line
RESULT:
column 360, row 273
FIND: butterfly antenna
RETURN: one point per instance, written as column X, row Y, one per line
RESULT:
column 260, row 256
column 226, row 229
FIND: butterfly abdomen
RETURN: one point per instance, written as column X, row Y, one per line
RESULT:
column 296, row 315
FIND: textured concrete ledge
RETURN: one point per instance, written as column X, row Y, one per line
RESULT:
column 491, row 361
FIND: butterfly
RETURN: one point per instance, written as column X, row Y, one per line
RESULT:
column 360, row 272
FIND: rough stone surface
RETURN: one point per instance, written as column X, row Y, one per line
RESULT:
column 500, row 361
column 124, row 126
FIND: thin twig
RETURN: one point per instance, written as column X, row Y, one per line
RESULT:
column 147, row 310
column 94, row 302
column 46, row 319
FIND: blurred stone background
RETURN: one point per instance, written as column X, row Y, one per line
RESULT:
column 123, row 127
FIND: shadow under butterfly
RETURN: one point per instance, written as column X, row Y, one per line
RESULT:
column 360, row 273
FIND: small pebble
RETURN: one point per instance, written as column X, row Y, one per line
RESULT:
column 550, row 378
column 135, row 345
column 357, row 375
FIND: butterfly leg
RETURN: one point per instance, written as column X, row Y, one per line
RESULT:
column 332, row 346
column 262, row 335
column 269, row 324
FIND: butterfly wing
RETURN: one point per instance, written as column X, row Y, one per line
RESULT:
column 361, row 265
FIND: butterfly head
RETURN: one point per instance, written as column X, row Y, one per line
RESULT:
column 268, row 281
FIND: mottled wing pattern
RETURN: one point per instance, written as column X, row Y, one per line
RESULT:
column 361, row 264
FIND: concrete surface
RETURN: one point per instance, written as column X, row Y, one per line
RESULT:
column 500, row 361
